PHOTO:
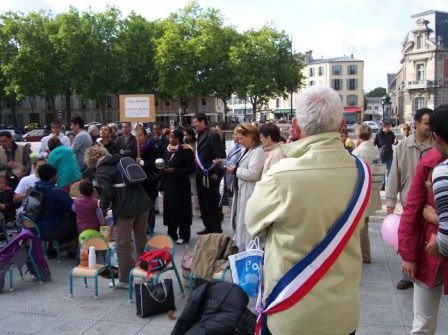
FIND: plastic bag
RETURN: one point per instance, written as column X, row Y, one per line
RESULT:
column 246, row 267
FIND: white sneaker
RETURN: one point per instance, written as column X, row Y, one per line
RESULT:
column 180, row 241
column 119, row 284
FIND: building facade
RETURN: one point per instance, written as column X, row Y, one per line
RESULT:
column 344, row 74
column 37, row 110
column 374, row 109
column 422, row 80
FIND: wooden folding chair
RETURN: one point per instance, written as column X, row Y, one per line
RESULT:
column 86, row 272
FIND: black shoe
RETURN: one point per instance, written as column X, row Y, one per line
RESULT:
column 404, row 284
column 204, row 232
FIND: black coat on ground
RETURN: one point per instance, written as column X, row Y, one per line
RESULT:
column 214, row 308
column 176, row 188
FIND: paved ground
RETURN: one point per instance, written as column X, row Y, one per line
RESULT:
column 47, row 309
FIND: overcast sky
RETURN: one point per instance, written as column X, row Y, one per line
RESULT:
column 371, row 30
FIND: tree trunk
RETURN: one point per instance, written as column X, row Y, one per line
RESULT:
column 68, row 105
column 103, row 111
column 254, row 109
column 51, row 101
column 13, row 113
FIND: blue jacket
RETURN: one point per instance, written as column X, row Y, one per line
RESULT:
column 56, row 205
column 64, row 160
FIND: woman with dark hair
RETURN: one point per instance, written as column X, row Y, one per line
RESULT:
column 106, row 140
column 148, row 155
column 271, row 140
column 190, row 141
column 190, row 136
column 64, row 160
column 177, row 213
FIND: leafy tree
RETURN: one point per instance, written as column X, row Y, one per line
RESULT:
column 102, row 75
column 9, row 93
column 74, row 45
column 37, row 68
column 264, row 66
column 135, row 50
column 377, row 92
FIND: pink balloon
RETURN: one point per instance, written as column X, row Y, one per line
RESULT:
column 389, row 230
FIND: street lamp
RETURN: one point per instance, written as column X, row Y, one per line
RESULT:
column 180, row 116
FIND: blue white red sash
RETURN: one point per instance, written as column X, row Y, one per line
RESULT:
column 303, row 276
column 205, row 180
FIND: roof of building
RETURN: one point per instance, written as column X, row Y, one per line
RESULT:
column 332, row 60
column 432, row 11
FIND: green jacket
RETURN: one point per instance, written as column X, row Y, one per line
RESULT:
column 295, row 204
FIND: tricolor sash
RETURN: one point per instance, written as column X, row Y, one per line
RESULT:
column 205, row 180
column 304, row 275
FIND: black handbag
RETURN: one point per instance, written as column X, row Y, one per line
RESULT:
column 151, row 299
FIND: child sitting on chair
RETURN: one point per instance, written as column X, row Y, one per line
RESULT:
column 7, row 206
column 88, row 214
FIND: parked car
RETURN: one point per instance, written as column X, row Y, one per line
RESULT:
column 96, row 124
column 34, row 135
column 372, row 126
column 32, row 126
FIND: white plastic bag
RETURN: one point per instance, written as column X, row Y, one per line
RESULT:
column 246, row 267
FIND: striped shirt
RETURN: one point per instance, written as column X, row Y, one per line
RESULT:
column 440, row 188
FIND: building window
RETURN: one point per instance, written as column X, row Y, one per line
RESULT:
column 167, row 103
column 311, row 82
column 342, row 98
column 337, row 84
column 419, row 42
column 109, row 102
column 419, row 103
column 321, row 70
column 204, row 102
column 277, row 103
column 352, row 84
column 83, row 104
column 156, row 102
column 352, row 100
column 420, row 72
column 336, row 70
column 353, row 69
column 311, row 71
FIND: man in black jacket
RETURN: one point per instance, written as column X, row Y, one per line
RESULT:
column 158, row 140
column 208, row 176
column 127, row 143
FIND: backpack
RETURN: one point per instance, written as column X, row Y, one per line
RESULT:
column 130, row 171
column 33, row 206
column 154, row 260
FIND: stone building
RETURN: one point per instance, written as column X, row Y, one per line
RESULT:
column 422, row 80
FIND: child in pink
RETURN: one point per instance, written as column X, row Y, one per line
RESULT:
column 88, row 214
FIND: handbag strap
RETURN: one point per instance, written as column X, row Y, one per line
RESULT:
column 151, row 293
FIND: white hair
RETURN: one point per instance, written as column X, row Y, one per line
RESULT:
column 91, row 129
column 319, row 110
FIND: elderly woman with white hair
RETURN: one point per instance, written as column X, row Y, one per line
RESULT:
column 299, row 204
column 94, row 133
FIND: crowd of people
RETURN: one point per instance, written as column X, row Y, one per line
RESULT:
column 308, row 198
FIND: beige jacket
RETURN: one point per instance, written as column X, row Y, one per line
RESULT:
column 273, row 154
column 407, row 154
column 370, row 153
column 296, row 203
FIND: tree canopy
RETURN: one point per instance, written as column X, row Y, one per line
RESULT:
column 189, row 55
column 377, row 92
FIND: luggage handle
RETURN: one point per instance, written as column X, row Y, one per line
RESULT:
column 153, row 295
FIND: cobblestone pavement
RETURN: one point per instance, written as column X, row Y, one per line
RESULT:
column 47, row 309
